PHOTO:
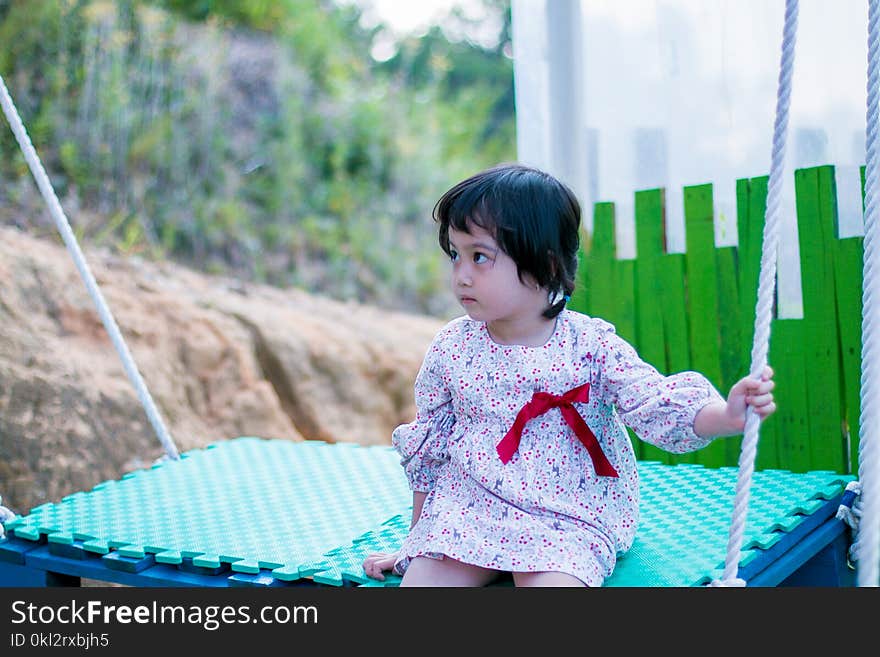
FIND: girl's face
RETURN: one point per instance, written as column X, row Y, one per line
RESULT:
column 486, row 284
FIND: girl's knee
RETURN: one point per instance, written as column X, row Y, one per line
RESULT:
column 426, row 571
column 546, row 578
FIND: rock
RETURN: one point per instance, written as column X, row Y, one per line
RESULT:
column 220, row 358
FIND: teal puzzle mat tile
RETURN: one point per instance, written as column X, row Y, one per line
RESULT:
column 61, row 538
column 253, row 503
column 347, row 561
column 686, row 513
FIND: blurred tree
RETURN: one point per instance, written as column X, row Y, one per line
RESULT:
column 257, row 138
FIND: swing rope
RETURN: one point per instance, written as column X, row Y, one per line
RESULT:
column 868, row 519
column 67, row 235
column 766, row 293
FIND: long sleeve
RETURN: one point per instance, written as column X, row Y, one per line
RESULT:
column 660, row 409
column 422, row 443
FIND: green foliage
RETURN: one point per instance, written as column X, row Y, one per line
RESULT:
column 257, row 14
column 257, row 138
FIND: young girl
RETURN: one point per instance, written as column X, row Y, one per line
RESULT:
column 518, row 457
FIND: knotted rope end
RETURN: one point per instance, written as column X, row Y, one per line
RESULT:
column 849, row 510
column 5, row 516
column 731, row 582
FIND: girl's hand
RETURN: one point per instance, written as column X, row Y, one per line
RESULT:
column 728, row 418
column 378, row 562
column 751, row 392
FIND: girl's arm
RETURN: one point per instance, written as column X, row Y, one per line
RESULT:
column 418, row 502
column 663, row 409
column 728, row 418
column 422, row 443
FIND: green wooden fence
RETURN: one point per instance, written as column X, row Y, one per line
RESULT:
column 696, row 310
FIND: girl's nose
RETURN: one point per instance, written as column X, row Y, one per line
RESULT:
column 463, row 275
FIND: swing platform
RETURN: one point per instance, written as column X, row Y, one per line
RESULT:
column 261, row 512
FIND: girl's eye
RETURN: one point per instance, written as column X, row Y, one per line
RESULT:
column 480, row 258
column 453, row 255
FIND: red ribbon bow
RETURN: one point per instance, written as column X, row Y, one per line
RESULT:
column 541, row 403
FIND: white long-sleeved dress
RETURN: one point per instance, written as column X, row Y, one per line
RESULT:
column 546, row 509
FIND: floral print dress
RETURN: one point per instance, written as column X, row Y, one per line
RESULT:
column 546, row 508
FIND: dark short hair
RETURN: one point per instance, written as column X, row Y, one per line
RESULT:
column 534, row 218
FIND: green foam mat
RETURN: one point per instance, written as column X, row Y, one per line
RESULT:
column 686, row 512
column 314, row 510
column 256, row 504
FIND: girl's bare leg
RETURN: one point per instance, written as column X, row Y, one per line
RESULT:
column 546, row 579
column 424, row 571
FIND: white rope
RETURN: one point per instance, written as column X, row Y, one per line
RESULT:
column 764, row 307
column 865, row 548
column 63, row 226
column 5, row 516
